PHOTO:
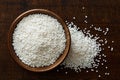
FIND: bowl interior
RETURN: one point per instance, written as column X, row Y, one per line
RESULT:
column 10, row 39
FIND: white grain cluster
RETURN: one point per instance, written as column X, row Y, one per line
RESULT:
column 83, row 50
column 39, row 40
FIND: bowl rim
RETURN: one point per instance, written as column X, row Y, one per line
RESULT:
column 10, row 39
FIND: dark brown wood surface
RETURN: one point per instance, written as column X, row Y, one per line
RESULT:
column 104, row 13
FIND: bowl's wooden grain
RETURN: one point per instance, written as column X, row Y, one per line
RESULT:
column 59, row 60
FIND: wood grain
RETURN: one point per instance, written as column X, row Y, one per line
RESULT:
column 104, row 13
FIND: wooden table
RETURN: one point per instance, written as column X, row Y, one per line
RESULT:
column 104, row 13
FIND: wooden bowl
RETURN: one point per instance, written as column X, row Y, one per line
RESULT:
column 10, row 40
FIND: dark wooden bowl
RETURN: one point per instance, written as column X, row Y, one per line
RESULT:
column 10, row 40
